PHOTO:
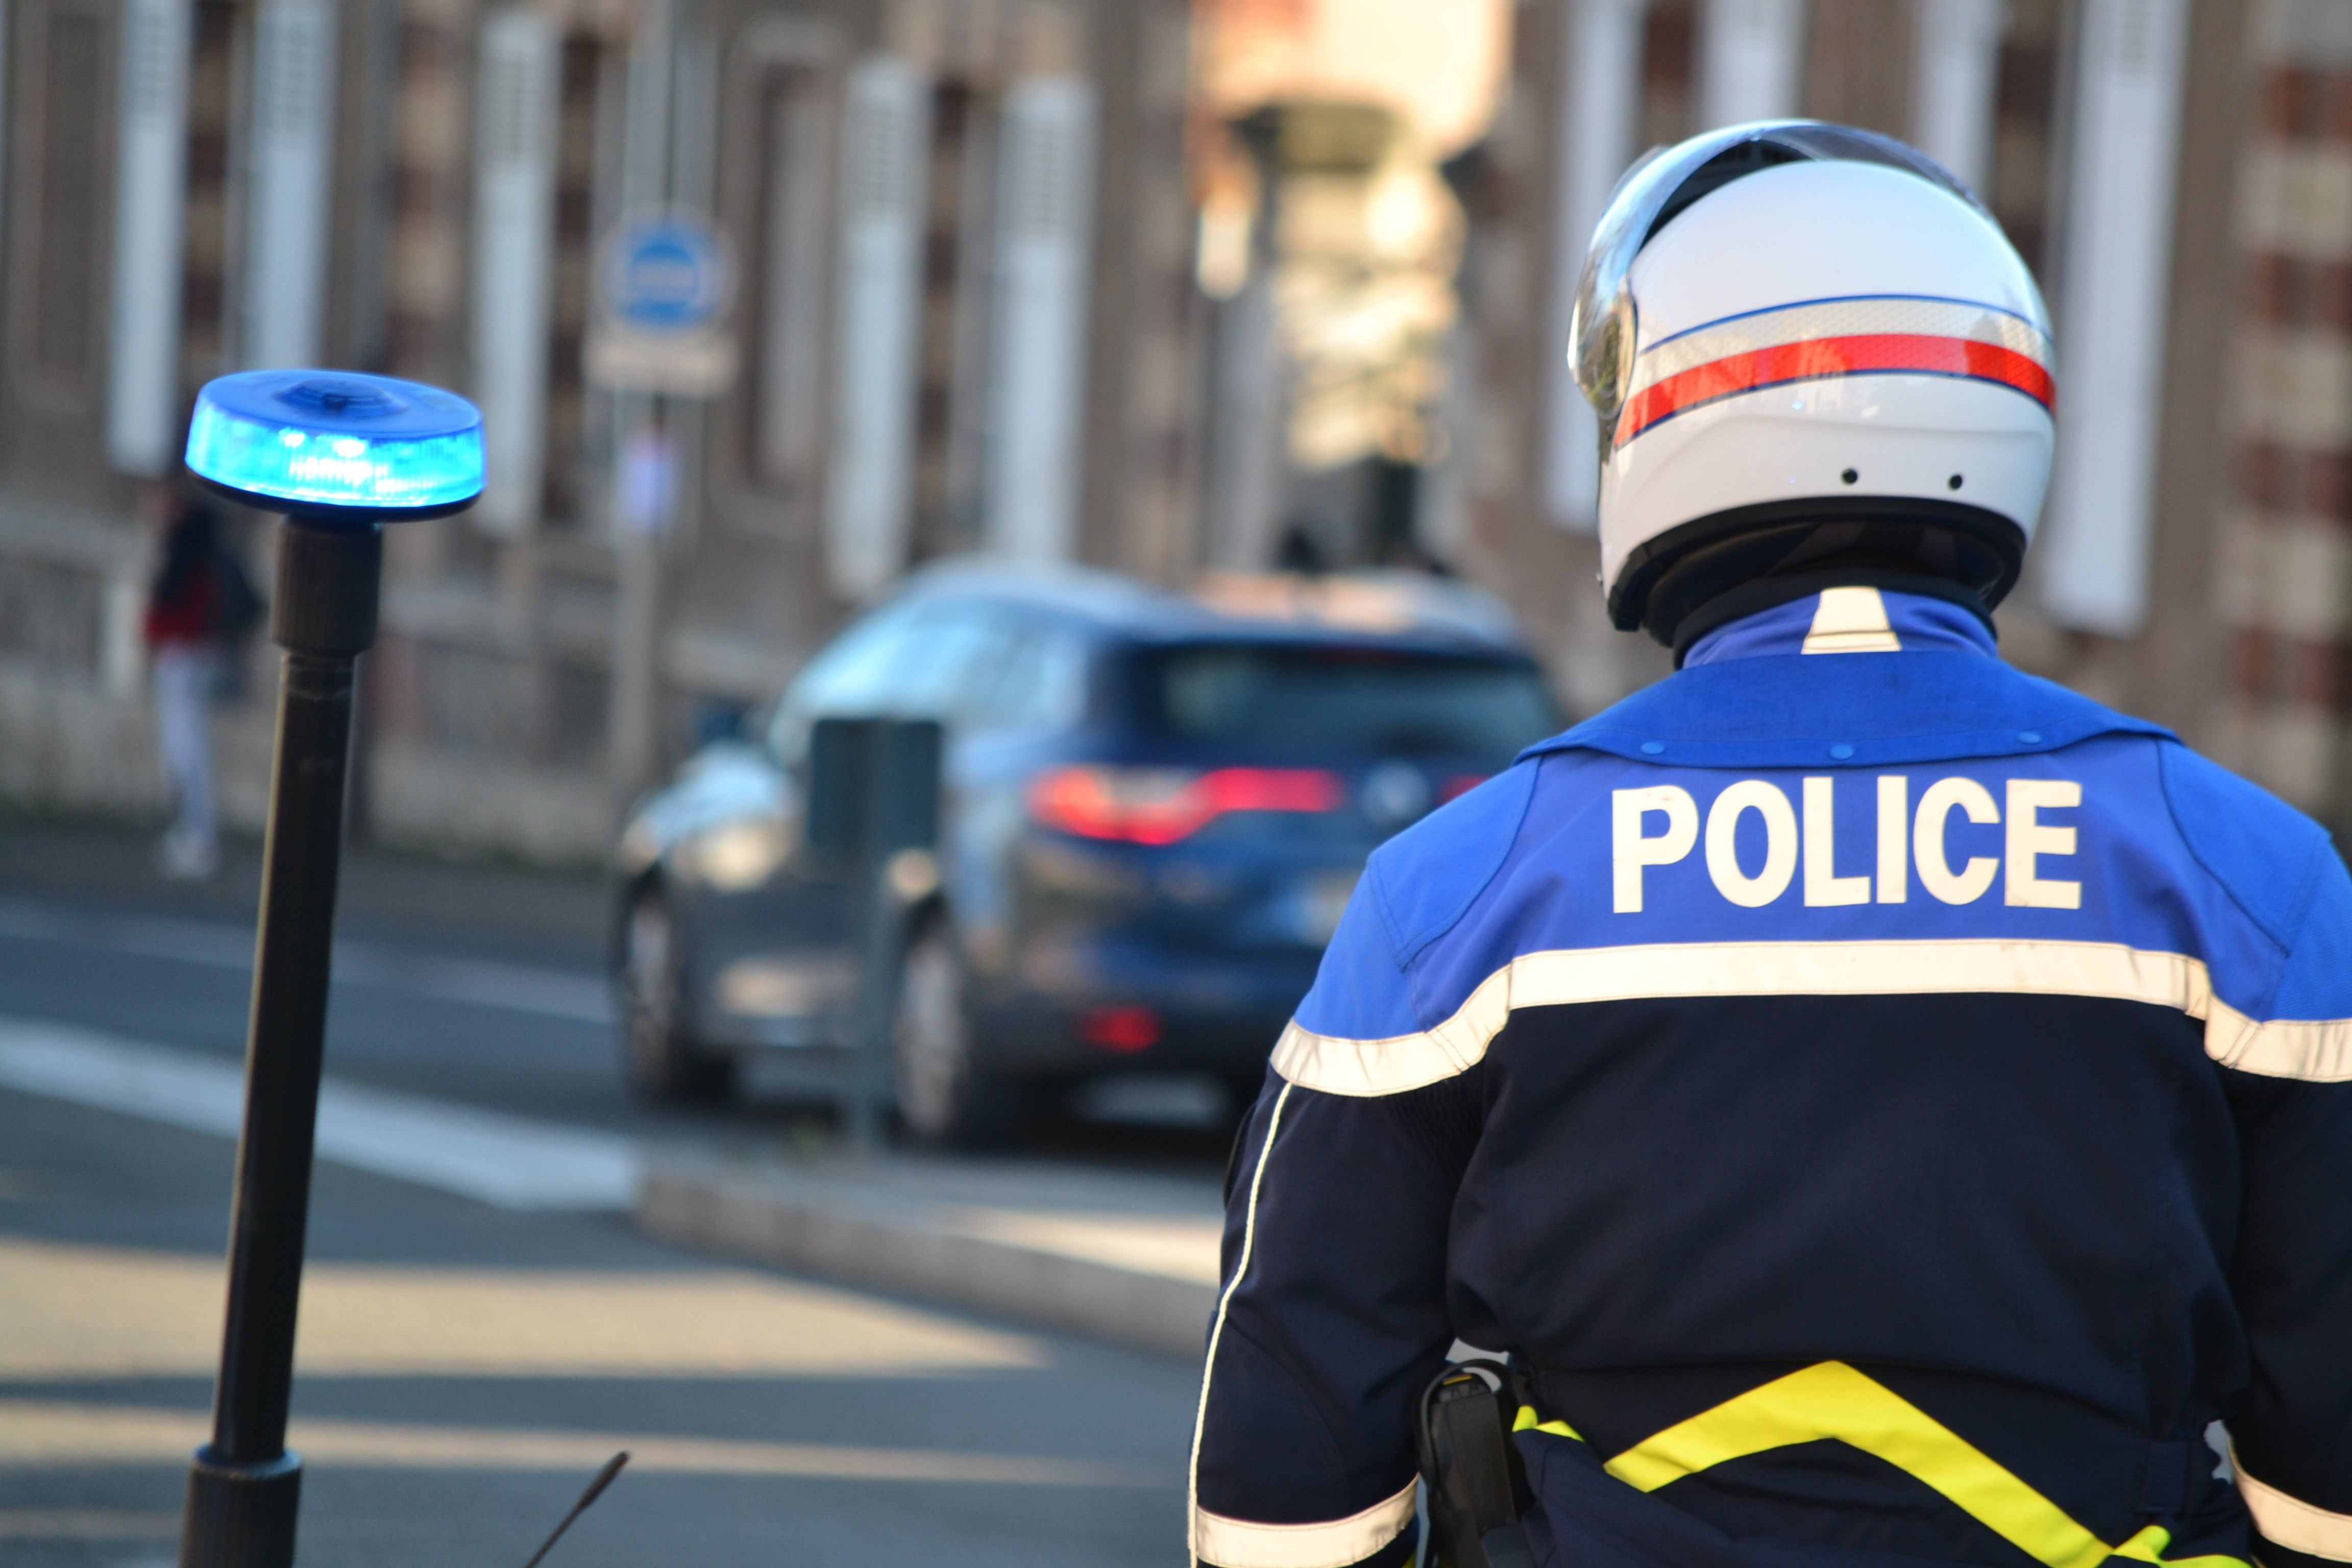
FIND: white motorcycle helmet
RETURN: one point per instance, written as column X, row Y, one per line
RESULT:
column 1814, row 356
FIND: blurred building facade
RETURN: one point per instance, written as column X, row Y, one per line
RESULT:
column 2179, row 174
column 962, row 319
column 1160, row 285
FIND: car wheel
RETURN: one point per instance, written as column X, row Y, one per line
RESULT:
column 945, row 1098
column 663, row 1060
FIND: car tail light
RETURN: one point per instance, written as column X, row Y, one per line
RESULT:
column 1125, row 1030
column 1161, row 805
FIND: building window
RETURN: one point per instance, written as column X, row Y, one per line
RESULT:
column 1669, row 72
column 204, row 324
column 63, row 186
column 2024, row 121
column 580, row 93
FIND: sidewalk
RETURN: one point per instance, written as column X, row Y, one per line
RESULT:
column 1119, row 1256
column 510, row 911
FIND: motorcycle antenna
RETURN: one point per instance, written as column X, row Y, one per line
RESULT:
column 596, row 1489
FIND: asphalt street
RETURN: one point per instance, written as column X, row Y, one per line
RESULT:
column 466, row 1365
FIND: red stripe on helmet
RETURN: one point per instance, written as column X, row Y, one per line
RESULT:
column 1819, row 358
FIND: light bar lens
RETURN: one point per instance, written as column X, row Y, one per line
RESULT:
column 337, row 439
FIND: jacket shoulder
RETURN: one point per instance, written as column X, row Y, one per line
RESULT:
column 1425, row 879
column 2265, row 854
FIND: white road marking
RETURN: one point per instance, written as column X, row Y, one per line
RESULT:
column 496, row 1158
column 481, row 982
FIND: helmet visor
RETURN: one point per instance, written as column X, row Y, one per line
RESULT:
column 1666, row 180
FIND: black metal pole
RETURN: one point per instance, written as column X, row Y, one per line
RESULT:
column 244, row 1488
column 901, row 785
column 877, row 1003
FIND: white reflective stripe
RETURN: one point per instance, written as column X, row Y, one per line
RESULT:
column 1335, row 1543
column 1217, row 1331
column 1851, row 620
column 2318, row 1051
column 1837, row 319
column 1337, row 1065
column 2290, row 1521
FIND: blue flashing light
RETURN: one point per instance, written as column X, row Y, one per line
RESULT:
column 305, row 440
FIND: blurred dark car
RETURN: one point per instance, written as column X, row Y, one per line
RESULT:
column 1155, row 808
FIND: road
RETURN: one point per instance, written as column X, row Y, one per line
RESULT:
column 466, row 1365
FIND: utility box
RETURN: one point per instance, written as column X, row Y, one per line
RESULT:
column 873, row 789
column 872, row 794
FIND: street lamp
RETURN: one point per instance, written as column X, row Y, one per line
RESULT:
column 340, row 455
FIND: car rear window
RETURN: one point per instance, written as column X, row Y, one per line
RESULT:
column 1347, row 701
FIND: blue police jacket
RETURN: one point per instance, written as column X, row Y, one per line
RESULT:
column 1896, row 1110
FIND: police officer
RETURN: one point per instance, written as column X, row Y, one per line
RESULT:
column 1892, row 1111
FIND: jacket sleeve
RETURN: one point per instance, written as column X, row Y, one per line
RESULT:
column 2292, row 1441
column 1332, row 1315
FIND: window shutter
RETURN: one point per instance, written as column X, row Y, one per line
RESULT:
column 1045, row 237
column 150, row 197
column 2114, row 281
column 885, row 179
column 796, row 115
column 1955, row 68
column 293, row 100
column 1752, row 54
column 56, row 317
column 1598, row 126
column 514, row 222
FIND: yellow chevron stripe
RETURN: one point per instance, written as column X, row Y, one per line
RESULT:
column 1526, row 1422
column 1834, row 1400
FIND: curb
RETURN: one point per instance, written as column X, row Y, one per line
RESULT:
column 872, row 1239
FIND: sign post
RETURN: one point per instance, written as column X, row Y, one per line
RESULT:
column 664, row 283
column 340, row 455
column 873, row 811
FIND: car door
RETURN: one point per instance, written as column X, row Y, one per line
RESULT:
column 777, row 963
column 1018, row 706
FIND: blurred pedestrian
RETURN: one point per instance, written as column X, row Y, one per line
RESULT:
column 200, row 607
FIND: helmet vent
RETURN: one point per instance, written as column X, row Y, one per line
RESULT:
column 1851, row 477
column 1954, row 482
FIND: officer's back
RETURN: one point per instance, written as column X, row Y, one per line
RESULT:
column 1887, row 1107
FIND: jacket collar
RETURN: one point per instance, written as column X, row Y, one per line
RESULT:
column 1845, row 678
column 1847, row 620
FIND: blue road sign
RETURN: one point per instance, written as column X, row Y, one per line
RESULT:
column 665, row 275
